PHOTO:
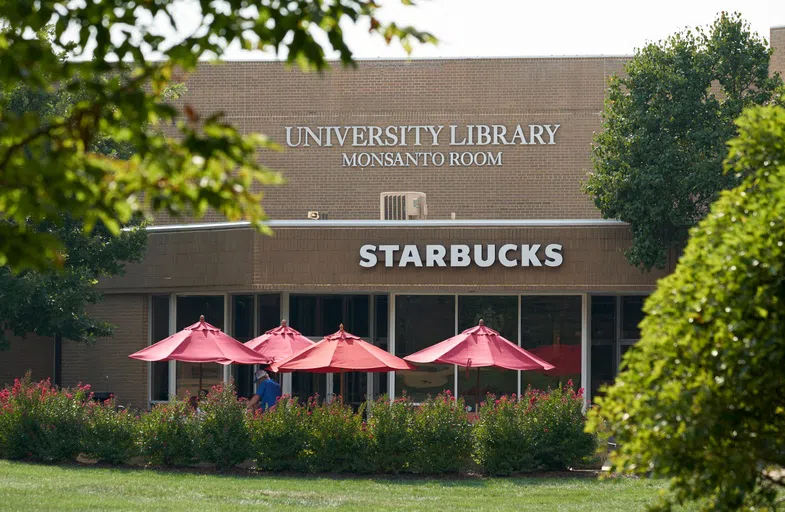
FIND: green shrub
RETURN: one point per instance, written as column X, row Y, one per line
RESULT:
column 279, row 436
column 110, row 433
column 41, row 422
column 222, row 433
column 167, row 434
column 337, row 440
column 390, row 429
column 442, row 435
column 542, row 431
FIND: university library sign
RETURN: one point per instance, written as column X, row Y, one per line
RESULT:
column 469, row 145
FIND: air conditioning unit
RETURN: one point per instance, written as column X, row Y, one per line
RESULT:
column 403, row 206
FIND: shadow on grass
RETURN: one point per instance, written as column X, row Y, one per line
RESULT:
column 469, row 480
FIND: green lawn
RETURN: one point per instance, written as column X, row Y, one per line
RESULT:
column 37, row 487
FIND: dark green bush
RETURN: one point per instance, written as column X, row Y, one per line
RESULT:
column 279, row 436
column 442, row 435
column 167, row 434
column 337, row 440
column 110, row 433
column 222, row 434
column 542, row 431
column 390, row 428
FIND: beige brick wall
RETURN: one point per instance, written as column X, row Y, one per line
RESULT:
column 34, row 353
column 105, row 365
column 535, row 181
column 777, row 41
column 326, row 258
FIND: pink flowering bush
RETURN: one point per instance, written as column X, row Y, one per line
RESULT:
column 441, row 436
column 222, row 434
column 390, row 430
column 167, row 435
column 110, row 433
column 542, row 431
column 279, row 436
column 41, row 422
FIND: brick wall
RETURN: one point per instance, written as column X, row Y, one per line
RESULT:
column 326, row 258
column 534, row 182
column 34, row 353
column 105, row 365
column 777, row 41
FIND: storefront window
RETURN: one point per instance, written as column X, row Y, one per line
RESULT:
column 551, row 330
column 421, row 321
column 381, row 326
column 631, row 316
column 500, row 313
column 189, row 308
column 603, row 342
column 242, row 323
column 269, row 312
column 320, row 315
column 160, row 330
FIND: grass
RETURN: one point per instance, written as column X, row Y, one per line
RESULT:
column 26, row 486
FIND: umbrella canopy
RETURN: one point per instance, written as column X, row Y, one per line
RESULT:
column 278, row 344
column 341, row 352
column 478, row 347
column 199, row 343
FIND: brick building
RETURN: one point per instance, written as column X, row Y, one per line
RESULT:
column 421, row 196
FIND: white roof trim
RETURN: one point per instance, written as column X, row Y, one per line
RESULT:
column 210, row 226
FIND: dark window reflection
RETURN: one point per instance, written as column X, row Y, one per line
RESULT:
column 269, row 312
column 603, row 368
column 631, row 316
column 160, row 370
column 320, row 315
column 603, row 318
column 422, row 321
column 551, row 330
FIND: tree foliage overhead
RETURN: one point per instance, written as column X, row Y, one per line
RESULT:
column 658, row 161
column 701, row 400
column 131, row 65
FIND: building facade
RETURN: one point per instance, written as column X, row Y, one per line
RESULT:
column 421, row 196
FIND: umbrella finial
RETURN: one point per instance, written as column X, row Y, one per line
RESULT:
column 283, row 323
column 340, row 327
column 201, row 318
column 482, row 322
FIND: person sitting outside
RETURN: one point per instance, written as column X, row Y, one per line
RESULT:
column 267, row 391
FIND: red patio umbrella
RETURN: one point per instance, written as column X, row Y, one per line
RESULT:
column 341, row 352
column 199, row 343
column 279, row 343
column 478, row 347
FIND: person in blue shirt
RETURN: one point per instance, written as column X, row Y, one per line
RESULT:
column 267, row 391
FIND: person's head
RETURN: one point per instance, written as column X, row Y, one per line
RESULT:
column 260, row 376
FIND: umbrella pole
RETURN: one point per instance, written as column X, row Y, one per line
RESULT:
column 199, row 393
column 479, row 393
column 340, row 376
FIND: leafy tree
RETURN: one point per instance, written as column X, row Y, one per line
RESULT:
column 658, row 161
column 701, row 400
column 209, row 164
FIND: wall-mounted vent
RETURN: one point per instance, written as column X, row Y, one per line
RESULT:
column 403, row 206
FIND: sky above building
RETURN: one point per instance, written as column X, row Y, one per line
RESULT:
column 514, row 28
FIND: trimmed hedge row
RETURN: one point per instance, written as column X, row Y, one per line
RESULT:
column 542, row 431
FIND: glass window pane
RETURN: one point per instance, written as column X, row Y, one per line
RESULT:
column 551, row 330
column 269, row 312
column 188, row 311
column 631, row 316
column 603, row 318
column 320, row 315
column 603, row 367
column 500, row 313
column 381, row 324
column 306, row 385
column 160, row 370
column 242, row 321
column 302, row 314
column 422, row 321
column 355, row 388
